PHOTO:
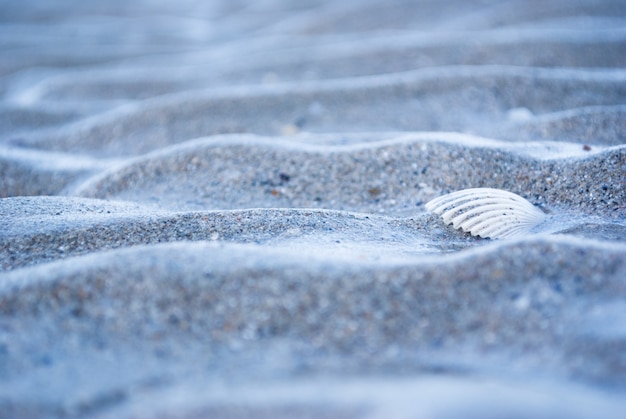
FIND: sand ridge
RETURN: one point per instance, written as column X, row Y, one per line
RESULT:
column 216, row 209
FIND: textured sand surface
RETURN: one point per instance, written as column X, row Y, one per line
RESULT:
column 216, row 209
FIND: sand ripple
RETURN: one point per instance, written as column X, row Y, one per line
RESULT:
column 216, row 209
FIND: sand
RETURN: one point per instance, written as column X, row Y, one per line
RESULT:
column 217, row 210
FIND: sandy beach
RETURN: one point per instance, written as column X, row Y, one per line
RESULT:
column 218, row 210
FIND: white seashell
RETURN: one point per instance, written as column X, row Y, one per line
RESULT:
column 486, row 212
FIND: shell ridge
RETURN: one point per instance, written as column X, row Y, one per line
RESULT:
column 474, row 203
column 451, row 203
column 487, row 212
column 487, row 217
column 502, row 229
column 451, row 197
column 485, row 228
column 491, row 208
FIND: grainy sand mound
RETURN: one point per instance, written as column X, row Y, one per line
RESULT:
column 216, row 209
